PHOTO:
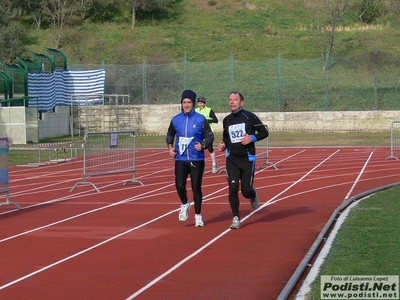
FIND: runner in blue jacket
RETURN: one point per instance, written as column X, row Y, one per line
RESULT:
column 192, row 134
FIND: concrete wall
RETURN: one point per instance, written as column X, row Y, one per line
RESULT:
column 23, row 126
column 331, row 121
column 156, row 120
column 55, row 124
column 19, row 123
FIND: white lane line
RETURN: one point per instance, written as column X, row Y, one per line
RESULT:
column 312, row 275
column 67, row 197
column 154, row 281
column 306, row 286
column 110, row 239
column 137, row 197
column 82, row 252
column 359, row 175
column 273, row 199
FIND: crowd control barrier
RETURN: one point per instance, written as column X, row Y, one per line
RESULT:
column 108, row 153
column 394, row 139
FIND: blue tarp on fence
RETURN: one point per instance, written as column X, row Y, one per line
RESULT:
column 56, row 88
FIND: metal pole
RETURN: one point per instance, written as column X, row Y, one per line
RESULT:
column 279, row 83
column 231, row 65
column 185, row 71
column 144, row 81
column 327, row 81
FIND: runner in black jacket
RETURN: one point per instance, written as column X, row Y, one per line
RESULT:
column 241, row 129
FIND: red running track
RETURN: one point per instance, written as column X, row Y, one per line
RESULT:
column 126, row 242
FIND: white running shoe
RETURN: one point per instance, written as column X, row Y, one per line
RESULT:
column 255, row 202
column 214, row 168
column 183, row 213
column 198, row 220
column 235, row 223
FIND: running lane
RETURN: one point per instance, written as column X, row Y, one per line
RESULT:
column 126, row 241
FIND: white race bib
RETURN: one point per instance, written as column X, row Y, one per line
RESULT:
column 237, row 132
column 184, row 144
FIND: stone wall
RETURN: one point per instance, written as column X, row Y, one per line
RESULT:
column 331, row 121
column 155, row 119
column 22, row 125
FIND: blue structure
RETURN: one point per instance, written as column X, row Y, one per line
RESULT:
column 14, row 77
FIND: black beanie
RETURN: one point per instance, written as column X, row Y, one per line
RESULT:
column 201, row 99
column 189, row 94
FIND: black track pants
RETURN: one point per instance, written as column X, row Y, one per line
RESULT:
column 239, row 169
column 196, row 171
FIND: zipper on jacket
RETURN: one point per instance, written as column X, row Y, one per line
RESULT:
column 186, row 135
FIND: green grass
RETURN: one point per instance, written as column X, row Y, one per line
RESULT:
column 368, row 242
column 253, row 30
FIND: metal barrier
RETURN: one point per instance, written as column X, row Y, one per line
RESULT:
column 394, row 139
column 5, row 143
column 263, row 153
column 103, row 112
column 61, row 153
column 57, row 152
column 108, row 153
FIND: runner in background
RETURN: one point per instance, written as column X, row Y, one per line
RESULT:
column 211, row 118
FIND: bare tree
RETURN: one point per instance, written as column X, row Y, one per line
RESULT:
column 84, row 6
column 35, row 9
column 60, row 14
column 146, row 5
column 336, row 9
column 368, row 10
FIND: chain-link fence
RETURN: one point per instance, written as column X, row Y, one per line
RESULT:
column 366, row 82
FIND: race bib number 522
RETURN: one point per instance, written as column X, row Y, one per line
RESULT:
column 237, row 132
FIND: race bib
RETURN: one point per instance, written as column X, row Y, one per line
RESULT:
column 184, row 144
column 237, row 132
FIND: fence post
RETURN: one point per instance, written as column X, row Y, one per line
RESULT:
column 144, row 81
column 279, row 82
column 376, row 83
column 231, row 65
column 185, row 71
column 327, row 81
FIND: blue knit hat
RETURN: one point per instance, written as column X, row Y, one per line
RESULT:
column 189, row 94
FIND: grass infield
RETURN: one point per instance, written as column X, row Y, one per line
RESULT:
column 367, row 243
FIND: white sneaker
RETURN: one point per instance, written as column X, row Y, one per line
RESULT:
column 198, row 221
column 235, row 223
column 255, row 202
column 183, row 213
column 214, row 168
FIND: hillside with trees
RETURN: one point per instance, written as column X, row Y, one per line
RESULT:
column 162, row 31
